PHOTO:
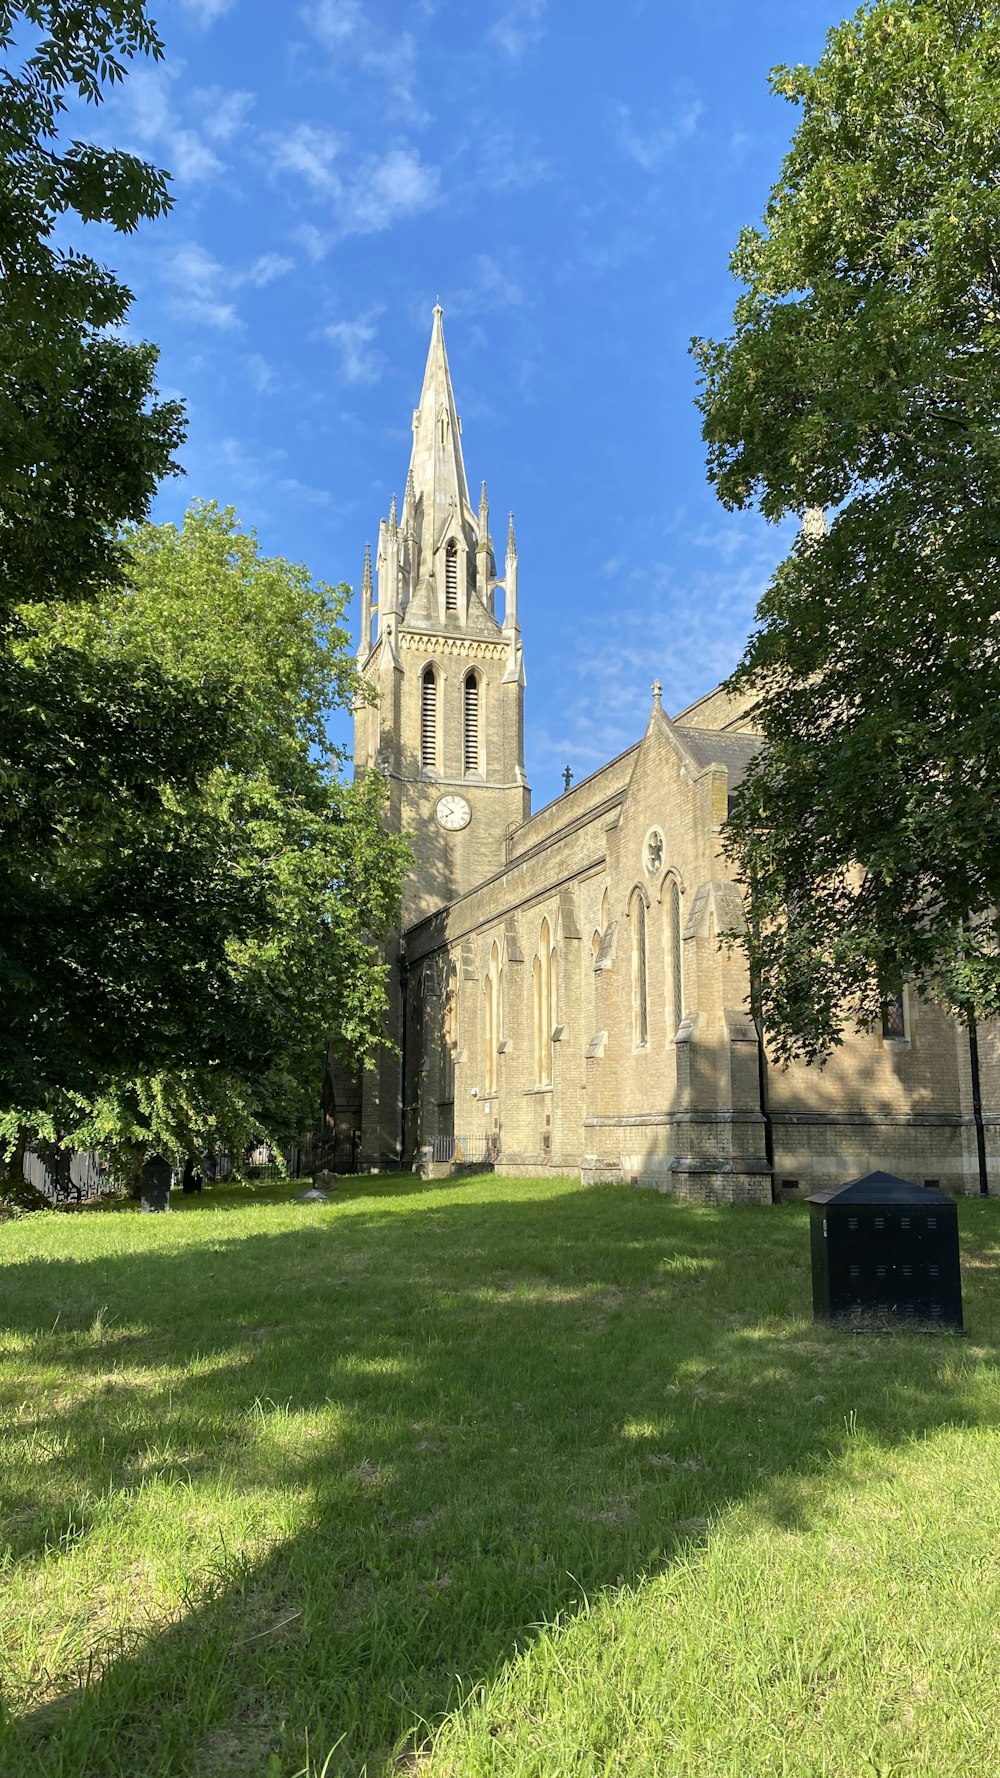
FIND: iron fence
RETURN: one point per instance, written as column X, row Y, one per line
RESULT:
column 65, row 1175
column 480, row 1150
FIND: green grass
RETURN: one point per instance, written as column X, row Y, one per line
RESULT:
column 490, row 1478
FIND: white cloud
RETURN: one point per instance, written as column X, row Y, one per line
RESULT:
column 159, row 116
column 651, row 145
column 520, row 24
column 191, row 159
column 199, row 283
column 366, row 197
column 334, row 22
column 492, row 287
column 398, row 185
column 508, row 160
column 344, row 29
column 358, row 363
column 690, row 635
column 265, row 269
column 203, row 288
column 262, row 375
column 223, row 114
column 309, row 154
column 205, row 12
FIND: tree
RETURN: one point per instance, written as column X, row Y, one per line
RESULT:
column 863, row 376
column 83, row 442
column 273, row 879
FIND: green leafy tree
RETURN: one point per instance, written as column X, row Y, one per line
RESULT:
column 863, row 376
column 83, row 442
column 291, row 874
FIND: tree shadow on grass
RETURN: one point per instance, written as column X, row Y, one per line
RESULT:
column 486, row 1410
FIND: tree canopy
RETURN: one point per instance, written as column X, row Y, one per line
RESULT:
column 862, row 376
column 224, row 922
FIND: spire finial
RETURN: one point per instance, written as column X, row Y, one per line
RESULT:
column 814, row 525
column 567, row 778
column 366, row 577
column 392, row 513
column 657, row 695
column 511, row 540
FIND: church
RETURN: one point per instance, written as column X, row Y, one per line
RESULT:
column 560, row 998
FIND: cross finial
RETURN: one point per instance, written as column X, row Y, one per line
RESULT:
column 567, row 778
column 657, row 695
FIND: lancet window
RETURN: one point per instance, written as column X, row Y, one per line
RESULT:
column 676, row 1008
column 543, row 981
column 428, row 718
column 640, row 972
column 470, row 732
column 451, row 577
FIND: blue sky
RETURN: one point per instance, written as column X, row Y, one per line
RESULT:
column 569, row 177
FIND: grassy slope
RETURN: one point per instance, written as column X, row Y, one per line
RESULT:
column 277, row 1475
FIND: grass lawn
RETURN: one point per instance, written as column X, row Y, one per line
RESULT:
column 496, row 1477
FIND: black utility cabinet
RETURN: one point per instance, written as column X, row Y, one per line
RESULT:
column 885, row 1254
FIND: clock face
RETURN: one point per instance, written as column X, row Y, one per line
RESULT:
column 453, row 812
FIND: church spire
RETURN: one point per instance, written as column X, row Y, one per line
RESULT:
column 436, row 463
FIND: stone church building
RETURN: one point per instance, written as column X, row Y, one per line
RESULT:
column 559, row 995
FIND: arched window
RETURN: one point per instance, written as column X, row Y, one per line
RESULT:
column 451, row 577
column 428, row 718
column 450, row 1037
column 676, row 954
column 470, row 732
column 640, row 972
column 491, row 1044
column 545, row 1011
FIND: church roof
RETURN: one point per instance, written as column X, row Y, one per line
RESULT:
column 725, row 747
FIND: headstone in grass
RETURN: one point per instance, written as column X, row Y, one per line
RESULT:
column 156, row 1179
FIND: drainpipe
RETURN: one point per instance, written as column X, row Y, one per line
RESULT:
column 977, row 1103
column 403, row 988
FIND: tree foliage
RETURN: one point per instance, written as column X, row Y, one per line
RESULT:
column 245, row 889
column 863, row 376
column 83, row 441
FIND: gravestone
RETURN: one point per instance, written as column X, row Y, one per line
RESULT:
column 156, row 1178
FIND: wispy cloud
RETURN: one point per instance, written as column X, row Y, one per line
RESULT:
column 352, row 38
column 199, row 283
column 652, row 142
column 353, row 339
column 363, row 196
column 492, row 288
column 202, row 288
column 186, row 131
column 689, row 636
column 505, row 158
column 205, row 12
column 520, row 23
column 263, row 379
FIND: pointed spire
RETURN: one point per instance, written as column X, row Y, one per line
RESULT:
column 511, row 540
column 436, row 463
column 392, row 514
column 657, row 695
column 484, row 514
column 365, row 638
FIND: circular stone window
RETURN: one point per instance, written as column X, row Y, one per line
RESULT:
column 652, row 852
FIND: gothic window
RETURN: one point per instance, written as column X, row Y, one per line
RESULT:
column 545, row 1012
column 640, row 972
column 450, row 1046
column 676, row 955
column 894, row 1018
column 470, row 733
column 491, row 1045
column 451, row 577
column 428, row 718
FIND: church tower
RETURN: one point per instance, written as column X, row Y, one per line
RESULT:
column 447, row 729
